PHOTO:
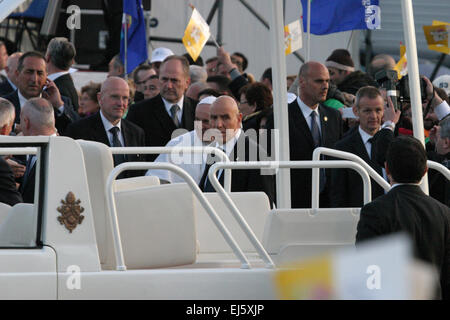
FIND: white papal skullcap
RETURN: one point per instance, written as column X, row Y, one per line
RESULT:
column 208, row 100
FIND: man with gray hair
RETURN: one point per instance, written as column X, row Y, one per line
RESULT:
column 36, row 119
column 10, row 85
column 60, row 56
column 197, row 74
column 7, row 115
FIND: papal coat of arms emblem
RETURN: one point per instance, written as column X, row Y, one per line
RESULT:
column 70, row 212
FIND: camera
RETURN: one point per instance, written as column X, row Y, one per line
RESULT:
column 398, row 90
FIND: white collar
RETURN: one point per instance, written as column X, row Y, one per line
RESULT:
column 404, row 184
column 364, row 135
column 56, row 75
column 305, row 109
column 107, row 124
column 229, row 145
column 22, row 99
column 169, row 105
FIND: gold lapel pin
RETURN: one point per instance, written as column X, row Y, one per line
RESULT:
column 325, row 119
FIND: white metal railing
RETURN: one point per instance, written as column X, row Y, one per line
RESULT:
column 120, row 263
column 272, row 165
column 156, row 150
column 18, row 151
column 439, row 167
column 344, row 155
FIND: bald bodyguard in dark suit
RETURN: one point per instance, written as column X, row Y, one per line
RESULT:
column 307, row 133
column 407, row 208
column 168, row 111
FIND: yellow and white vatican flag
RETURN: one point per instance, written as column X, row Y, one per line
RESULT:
column 402, row 65
column 196, row 35
column 437, row 36
column 292, row 37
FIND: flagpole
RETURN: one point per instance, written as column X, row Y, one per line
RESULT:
column 349, row 40
column 308, row 54
column 125, row 34
column 413, row 77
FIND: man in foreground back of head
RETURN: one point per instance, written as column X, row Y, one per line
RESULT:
column 407, row 208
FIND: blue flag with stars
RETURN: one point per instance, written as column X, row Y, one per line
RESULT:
column 136, row 46
column 330, row 16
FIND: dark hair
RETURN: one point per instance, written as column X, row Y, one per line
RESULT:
column 182, row 59
column 92, row 89
column 355, row 80
column 198, row 62
column 222, row 83
column 61, row 53
column 215, row 58
column 26, row 55
column 267, row 74
column 140, row 68
column 406, row 159
column 209, row 92
column 244, row 59
column 257, row 93
column 367, row 91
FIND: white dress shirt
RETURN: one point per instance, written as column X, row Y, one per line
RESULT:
column 169, row 105
column 108, row 125
column 307, row 114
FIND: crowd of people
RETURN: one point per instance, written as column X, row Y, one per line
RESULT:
column 172, row 100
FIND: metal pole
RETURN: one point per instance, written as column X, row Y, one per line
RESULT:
column 308, row 54
column 437, row 66
column 125, row 35
column 212, row 12
column 414, row 77
column 220, row 22
column 278, row 61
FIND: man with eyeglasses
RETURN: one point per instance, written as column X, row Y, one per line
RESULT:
column 161, row 115
column 147, row 84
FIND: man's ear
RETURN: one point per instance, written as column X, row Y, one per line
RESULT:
column 3, row 130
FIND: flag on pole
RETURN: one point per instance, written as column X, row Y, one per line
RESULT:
column 196, row 35
column 402, row 65
column 437, row 36
column 330, row 16
column 133, row 39
column 292, row 37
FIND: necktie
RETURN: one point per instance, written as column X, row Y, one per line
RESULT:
column 118, row 158
column 372, row 149
column 315, row 130
column 29, row 165
column 174, row 111
column 207, row 185
column 316, row 139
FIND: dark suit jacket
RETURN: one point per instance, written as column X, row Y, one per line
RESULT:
column 346, row 188
column 246, row 179
column 301, row 147
column 27, row 185
column 426, row 220
column 91, row 128
column 152, row 116
column 8, row 190
column 5, row 87
column 62, row 120
column 439, row 186
column 67, row 88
